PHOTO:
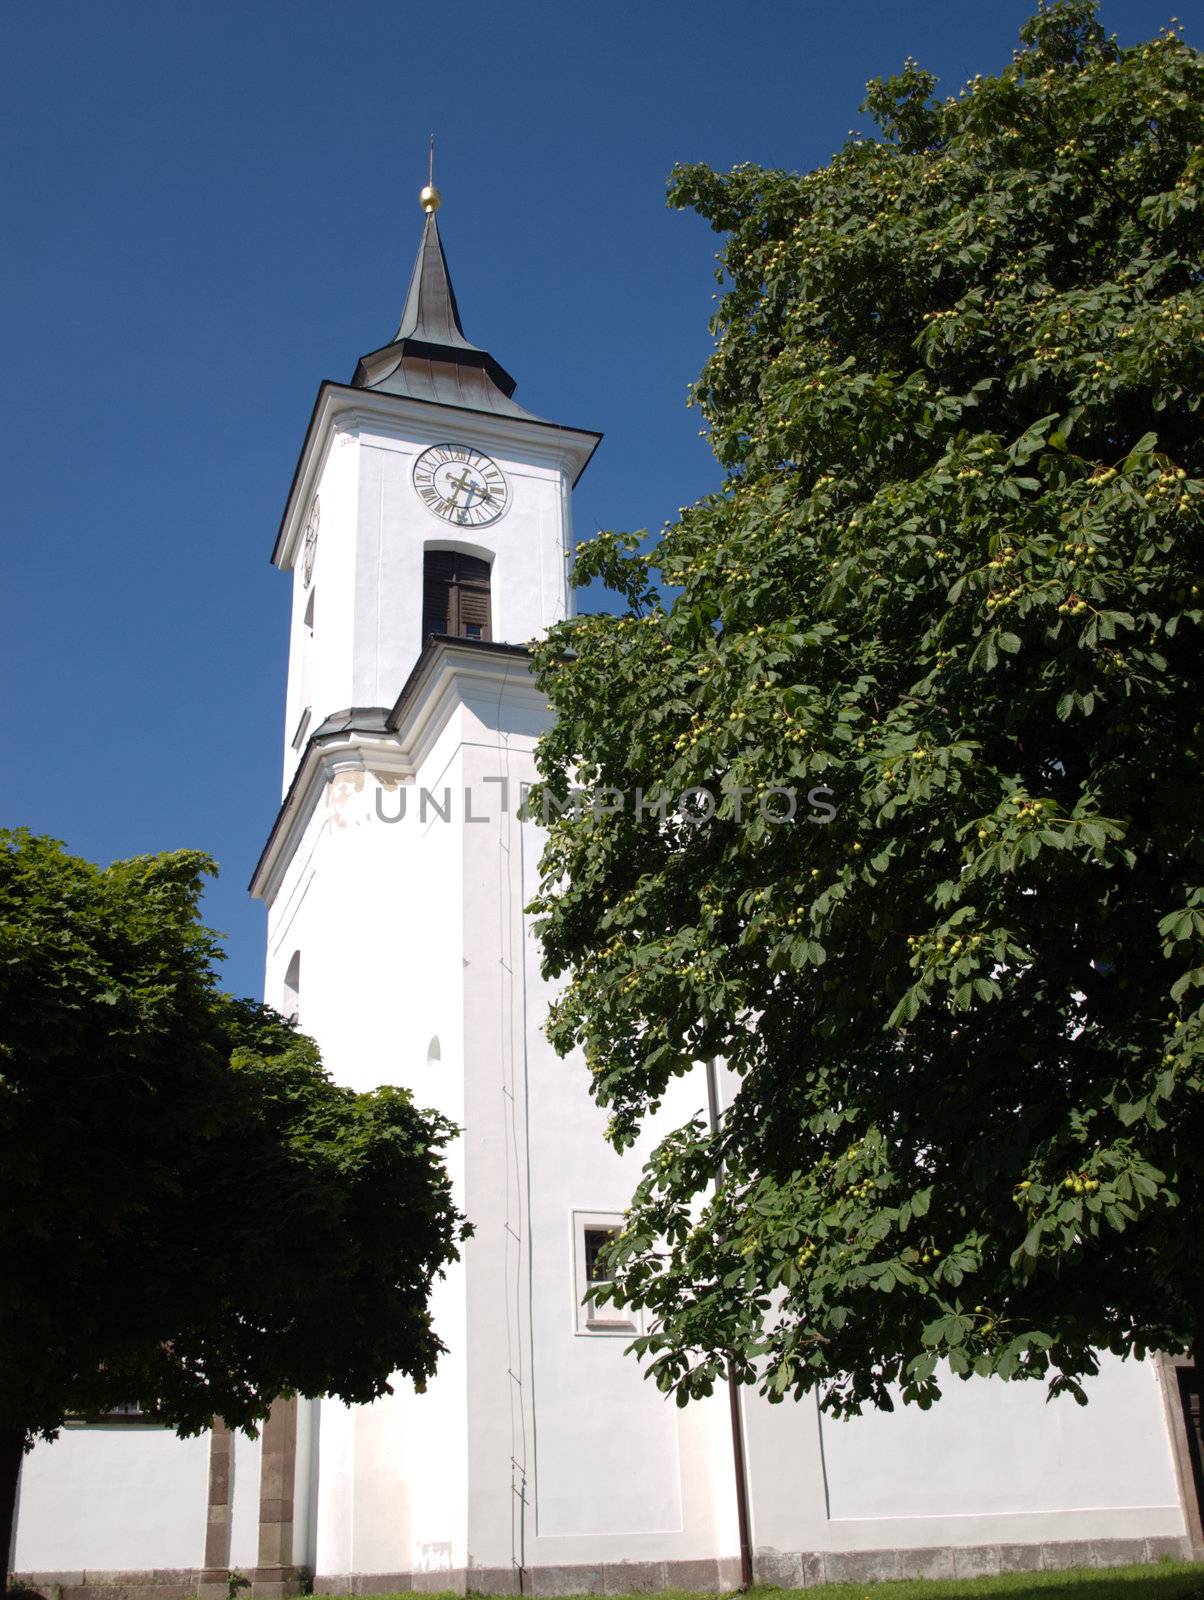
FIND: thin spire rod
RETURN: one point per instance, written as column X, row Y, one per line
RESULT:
column 430, row 197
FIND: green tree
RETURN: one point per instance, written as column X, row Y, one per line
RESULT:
column 195, row 1218
column 953, row 576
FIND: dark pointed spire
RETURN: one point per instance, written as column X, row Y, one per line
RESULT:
column 431, row 312
column 429, row 357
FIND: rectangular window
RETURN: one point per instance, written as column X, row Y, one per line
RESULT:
column 119, row 1414
column 592, row 1232
column 455, row 595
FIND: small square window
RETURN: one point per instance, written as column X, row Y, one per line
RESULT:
column 592, row 1232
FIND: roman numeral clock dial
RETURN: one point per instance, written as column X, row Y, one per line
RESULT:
column 461, row 485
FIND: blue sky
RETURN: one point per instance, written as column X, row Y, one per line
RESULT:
column 206, row 209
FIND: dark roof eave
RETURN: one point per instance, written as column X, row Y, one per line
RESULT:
column 362, row 719
column 458, row 355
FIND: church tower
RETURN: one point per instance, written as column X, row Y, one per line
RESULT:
column 428, row 535
column 426, row 501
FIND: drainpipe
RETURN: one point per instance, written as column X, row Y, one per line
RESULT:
column 739, row 1455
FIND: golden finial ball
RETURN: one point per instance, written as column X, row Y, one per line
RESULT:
column 429, row 198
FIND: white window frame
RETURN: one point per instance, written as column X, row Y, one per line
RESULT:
column 607, row 1321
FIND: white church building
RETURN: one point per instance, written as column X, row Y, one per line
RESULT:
column 427, row 536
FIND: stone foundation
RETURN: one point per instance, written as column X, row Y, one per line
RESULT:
column 164, row 1583
column 784, row 1569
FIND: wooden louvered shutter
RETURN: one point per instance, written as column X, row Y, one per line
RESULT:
column 438, row 577
column 472, row 595
column 455, row 595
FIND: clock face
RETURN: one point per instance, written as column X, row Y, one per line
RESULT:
column 311, row 542
column 461, row 485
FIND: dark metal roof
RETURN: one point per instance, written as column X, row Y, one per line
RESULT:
column 431, row 312
column 429, row 357
column 355, row 719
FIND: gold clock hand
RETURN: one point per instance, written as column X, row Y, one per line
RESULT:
column 463, row 482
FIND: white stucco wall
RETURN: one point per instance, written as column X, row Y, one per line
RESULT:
column 320, row 669
column 990, row 1463
column 244, row 1502
column 622, row 1472
column 997, row 1461
column 383, row 915
column 105, row 1497
column 374, row 908
column 366, row 583
column 525, row 547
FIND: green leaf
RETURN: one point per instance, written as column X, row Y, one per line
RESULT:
column 1143, row 447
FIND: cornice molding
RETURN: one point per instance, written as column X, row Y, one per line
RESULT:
column 447, row 676
column 345, row 412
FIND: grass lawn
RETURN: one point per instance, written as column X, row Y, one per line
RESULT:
column 1164, row 1580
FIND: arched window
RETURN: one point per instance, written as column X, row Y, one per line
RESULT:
column 292, row 988
column 305, row 672
column 455, row 595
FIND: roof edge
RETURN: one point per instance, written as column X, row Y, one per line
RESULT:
column 436, row 645
column 380, row 725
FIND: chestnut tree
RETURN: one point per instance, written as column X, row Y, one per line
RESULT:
column 953, row 574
